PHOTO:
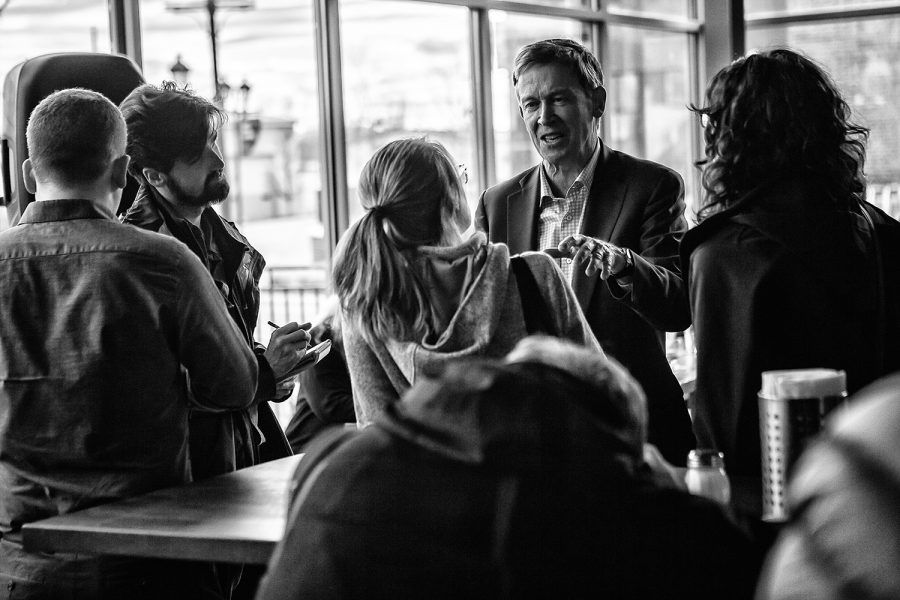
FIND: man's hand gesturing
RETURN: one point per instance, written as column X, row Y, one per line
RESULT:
column 609, row 259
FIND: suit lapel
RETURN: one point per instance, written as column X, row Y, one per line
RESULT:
column 522, row 213
column 604, row 205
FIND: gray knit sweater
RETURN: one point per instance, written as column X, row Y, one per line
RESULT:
column 479, row 310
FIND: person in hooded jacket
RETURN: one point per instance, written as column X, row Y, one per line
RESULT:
column 415, row 291
column 781, row 268
column 516, row 478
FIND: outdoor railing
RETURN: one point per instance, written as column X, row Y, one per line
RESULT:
column 290, row 294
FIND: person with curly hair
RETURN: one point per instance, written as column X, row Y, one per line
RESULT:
column 781, row 268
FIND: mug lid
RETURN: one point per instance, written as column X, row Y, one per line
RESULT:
column 706, row 457
column 803, row 383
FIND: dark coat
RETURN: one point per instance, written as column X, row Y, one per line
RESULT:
column 223, row 442
column 634, row 204
column 500, row 481
column 776, row 282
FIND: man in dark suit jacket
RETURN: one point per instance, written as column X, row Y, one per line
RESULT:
column 609, row 213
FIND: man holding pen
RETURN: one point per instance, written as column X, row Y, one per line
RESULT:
column 172, row 142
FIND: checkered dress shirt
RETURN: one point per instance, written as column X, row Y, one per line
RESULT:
column 562, row 217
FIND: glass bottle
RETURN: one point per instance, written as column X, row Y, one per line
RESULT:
column 705, row 475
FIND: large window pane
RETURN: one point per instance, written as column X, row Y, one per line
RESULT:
column 670, row 8
column 510, row 32
column 787, row 6
column 271, row 139
column 406, row 72
column 648, row 90
column 564, row 3
column 35, row 27
column 862, row 57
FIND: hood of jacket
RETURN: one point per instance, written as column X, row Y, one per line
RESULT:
column 521, row 416
column 470, row 284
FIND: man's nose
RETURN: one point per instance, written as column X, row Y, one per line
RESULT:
column 217, row 153
column 545, row 114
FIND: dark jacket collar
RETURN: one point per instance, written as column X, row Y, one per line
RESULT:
column 601, row 213
column 792, row 214
column 606, row 199
column 523, row 211
column 151, row 211
column 781, row 210
column 522, row 225
column 42, row 211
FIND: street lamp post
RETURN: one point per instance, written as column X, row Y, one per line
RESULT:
column 241, row 149
column 231, row 209
column 179, row 71
column 211, row 7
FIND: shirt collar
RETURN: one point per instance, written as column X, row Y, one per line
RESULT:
column 44, row 211
column 585, row 178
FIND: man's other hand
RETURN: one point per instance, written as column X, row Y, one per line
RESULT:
column 287, row 346
column 608, row 259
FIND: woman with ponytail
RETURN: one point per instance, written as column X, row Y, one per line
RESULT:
column 416, row 290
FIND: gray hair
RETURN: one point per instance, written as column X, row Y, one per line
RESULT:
column 565, row 52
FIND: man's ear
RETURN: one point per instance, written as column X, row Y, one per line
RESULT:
column 29, row 177
column 120, row 171
column 598, row 99
column 155, row 178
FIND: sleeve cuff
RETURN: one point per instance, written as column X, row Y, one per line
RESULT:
column 265, row 382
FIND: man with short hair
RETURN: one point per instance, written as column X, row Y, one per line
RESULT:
column 174, row 155
column 610, row 213
column 101, row 327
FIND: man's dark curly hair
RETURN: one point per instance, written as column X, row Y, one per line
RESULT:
column 776, row 115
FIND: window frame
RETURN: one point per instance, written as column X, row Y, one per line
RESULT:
column 126, row 39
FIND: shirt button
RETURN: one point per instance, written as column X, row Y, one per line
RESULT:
column 567, row 218
column 568, row 261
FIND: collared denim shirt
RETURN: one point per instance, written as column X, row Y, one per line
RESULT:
column 96, row 321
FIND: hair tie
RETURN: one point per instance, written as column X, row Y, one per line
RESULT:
column 379, row 212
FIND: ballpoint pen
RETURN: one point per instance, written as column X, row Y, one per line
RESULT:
column 276, row 326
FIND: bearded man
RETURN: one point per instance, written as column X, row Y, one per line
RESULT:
column 175, row 157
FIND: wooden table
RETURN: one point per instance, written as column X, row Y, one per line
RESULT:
column 237, row 517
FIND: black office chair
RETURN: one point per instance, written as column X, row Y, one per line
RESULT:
column 33, row 80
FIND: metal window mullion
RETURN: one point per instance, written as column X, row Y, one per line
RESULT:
column 601, row 49
column 697, row 91
column 587, row 13
column 482, row 101
column 125, row 28
column 723, row 35
column 821, row 14
column 333, row 140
